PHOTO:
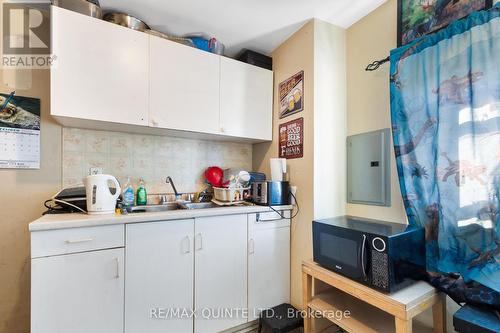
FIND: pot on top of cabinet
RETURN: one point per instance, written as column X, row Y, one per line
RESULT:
column 89, row 8
column 126, row 20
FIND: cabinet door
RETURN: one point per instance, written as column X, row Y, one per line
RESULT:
column 78, row 293
column 159, row 268
column 221, row 272
column 268, row 265
column 246, row 97
column 101, row 70
column 184, row 87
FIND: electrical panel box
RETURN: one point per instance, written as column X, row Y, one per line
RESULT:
column 368, row 168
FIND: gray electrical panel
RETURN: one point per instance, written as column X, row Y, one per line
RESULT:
column 368, row 168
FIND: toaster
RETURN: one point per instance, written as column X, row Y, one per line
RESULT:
column 271, row 193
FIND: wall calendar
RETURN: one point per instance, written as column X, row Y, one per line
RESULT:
column 19, row 132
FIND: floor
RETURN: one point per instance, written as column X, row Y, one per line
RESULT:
column 332, row 329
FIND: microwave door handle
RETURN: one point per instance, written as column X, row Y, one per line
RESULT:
column 363, row 245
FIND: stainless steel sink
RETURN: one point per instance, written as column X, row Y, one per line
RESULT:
column 155, row 208
column 171, row 206
column 197, row 205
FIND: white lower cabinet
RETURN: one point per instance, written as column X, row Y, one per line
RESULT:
column 78, row 293
column 221, row 267
column 220, row 272
column 268, row 262
column 160, row 271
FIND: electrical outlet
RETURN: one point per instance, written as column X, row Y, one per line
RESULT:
column 95, row 171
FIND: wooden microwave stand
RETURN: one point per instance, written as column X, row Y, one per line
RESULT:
column 369, row 310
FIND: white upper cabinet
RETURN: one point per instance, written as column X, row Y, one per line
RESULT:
column 101, row 70
column 106, row 76
column 184, row 93
column 246, row 100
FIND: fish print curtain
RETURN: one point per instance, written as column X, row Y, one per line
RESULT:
column 445, row 111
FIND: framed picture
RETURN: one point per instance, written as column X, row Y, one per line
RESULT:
column 291, row 139
column 291, row 93
column 417, row 18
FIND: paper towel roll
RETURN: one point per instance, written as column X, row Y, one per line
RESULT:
column 278, row 167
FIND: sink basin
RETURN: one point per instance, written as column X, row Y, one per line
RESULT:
column 154, row 208
column 197, row 205
column 172, row 206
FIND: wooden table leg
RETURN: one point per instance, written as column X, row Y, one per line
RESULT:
column 403, row 325
column 306, row 297
column 439, row 315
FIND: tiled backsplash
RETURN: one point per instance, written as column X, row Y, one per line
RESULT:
column 149, row 156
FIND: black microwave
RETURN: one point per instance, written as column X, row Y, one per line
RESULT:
column 383, row 255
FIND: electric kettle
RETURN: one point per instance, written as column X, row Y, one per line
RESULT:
column 100, row 200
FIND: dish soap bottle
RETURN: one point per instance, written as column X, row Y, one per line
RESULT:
column 128, row 194
column 142, row 196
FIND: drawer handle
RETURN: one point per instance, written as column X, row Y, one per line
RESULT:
column 76, row 241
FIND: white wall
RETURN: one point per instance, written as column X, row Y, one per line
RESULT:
column 22, row 193
column 330, row 120
column 368, row 108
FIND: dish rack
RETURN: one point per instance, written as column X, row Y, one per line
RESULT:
column 229, row 195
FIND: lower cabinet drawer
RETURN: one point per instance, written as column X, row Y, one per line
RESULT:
column 72, row 240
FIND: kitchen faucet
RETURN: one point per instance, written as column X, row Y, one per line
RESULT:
column 171, row 182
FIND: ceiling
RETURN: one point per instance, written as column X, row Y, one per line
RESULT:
column 260, row 25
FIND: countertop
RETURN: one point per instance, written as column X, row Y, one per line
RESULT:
column 77, row 220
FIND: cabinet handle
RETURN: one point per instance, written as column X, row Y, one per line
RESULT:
column 251, row 246
column 187, row 241
column 198, row 242
column 76, row 241
column 260, row 219
column 117, row 273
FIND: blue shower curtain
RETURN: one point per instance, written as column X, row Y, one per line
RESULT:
column 445, row 110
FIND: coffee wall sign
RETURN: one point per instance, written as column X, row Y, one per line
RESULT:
column 291, row 139
column 291, row 93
